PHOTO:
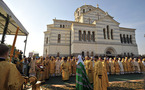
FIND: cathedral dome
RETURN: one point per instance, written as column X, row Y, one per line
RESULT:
column 83, row 9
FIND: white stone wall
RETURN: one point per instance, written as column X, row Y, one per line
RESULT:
column 100, row 45
column 112, row 25
column 119, row 49
column 78, row 48
column 80, row 11
column 57, row 23
column 65, row 36
column 46, row 35
column 82, row 27
column 129, row 32
column 62, row 49
column 101, row 48
column 130, row 49
column 95, row 15
column 53, row 47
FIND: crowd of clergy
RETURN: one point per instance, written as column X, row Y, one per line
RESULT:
column 44, row 68
column 96, row 69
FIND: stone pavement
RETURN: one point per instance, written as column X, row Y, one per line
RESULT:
column 56, row 83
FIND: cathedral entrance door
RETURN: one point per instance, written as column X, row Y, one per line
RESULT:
column 110, row 51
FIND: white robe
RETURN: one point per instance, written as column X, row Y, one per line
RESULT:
column 136, row 65
column 121, row 66
column 58, row 65
column 32, row 68
column 143, row 63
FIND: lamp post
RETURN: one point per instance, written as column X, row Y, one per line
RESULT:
column 25, row 45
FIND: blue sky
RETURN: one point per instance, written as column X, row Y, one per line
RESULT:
column 36, row 14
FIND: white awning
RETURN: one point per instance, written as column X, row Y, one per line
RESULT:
column 13, row 23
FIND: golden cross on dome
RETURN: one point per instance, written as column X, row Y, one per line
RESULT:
column 97, row 5
column 84, row 1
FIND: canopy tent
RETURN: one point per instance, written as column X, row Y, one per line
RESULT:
column 13, row 21
column 9, row 24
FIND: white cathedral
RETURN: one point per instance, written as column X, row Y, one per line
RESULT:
column 94, row 32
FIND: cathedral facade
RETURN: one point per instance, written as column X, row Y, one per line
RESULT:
column 94, row 32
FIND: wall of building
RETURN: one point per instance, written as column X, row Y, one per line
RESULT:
column 99, row 46
column 78, row 48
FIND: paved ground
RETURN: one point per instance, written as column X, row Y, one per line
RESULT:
column 125, row 77
column 56, row 83
column 117, row 82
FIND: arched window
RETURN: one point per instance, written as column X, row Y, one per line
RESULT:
column 63, row 26
column 80, row 35
column 121, row 38
column 108, row 32
column 47, row 40
column 59, row 38
column 88, row 37
column 127, row 39
column 112, row 34
column 104, row 32
column 124, row 38
column 60, row 26
column 84, row 36
column 83, row 10
column 130, row 39
column 87, row 53
column 93, row 36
